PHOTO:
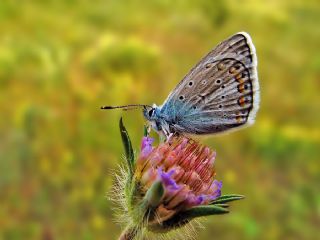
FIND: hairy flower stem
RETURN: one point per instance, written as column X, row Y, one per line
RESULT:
column 128, row 234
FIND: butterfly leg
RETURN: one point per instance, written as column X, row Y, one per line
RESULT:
column 166, row 132
column 165, row 137
column 169, row 136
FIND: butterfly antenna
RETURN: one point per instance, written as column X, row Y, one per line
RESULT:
column 126, row 107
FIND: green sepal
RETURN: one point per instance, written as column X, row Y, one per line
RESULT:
column 205, row 210
column 184, row 217
column 155, row 194
column 127, row 147
column 223, row 205
column 227, row 198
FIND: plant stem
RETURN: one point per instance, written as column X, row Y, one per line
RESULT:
column 128, row 234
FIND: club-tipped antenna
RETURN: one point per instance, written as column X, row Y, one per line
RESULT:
column 126, row 107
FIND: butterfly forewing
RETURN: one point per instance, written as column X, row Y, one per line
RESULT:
column 220, row 93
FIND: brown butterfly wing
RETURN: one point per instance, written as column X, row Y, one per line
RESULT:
column 221, row 92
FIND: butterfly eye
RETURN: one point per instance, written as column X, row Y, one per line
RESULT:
column 151, row 112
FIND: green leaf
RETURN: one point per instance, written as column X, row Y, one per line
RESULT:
column 227, row 198
column 224, row 205
column 205, row 210
column 127, row 147
column 145, row 131
column 155, row 194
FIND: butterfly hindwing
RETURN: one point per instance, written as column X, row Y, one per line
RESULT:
column 220, row 93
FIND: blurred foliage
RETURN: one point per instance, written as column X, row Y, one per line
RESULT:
column 61, row 60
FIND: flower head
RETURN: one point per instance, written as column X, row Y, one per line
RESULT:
column 169, row 185
column 185, row 169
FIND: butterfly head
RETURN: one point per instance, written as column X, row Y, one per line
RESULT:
column 153, row 116
column 150, row 112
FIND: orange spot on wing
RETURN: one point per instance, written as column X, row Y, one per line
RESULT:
column 209, row 65
column 232, row 70
column 221, row 66
column 239, row 78
column 238, row 118
column 242, row 101
column 241, row 88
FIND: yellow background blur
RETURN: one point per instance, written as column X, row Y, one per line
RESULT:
column 61, row 60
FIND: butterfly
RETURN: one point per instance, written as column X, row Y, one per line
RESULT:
column 219, row 94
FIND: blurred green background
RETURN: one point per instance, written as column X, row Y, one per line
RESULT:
column 61, row 60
